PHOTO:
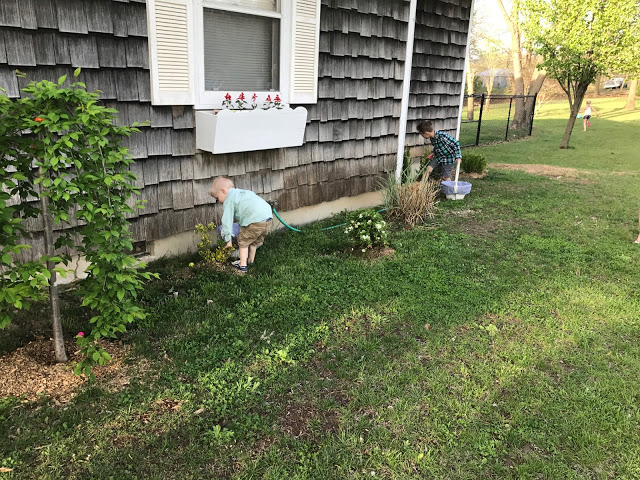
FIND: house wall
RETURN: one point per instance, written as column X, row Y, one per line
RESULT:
column 437, row 79
column 351, row 135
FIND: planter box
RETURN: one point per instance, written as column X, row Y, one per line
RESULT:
column 247, row 130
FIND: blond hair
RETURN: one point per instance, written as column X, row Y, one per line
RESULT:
column 220, row 183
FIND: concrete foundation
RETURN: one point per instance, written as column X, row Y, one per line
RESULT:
column 187, row 242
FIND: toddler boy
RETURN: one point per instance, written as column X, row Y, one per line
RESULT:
column 251, row 212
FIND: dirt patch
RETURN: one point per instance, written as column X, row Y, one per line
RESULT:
column 299, row 419
column 462, row 213
column 157, row 409
column 480, row 228
column 545, row 171
column 374, row 253
column 31, row 371
column 472, row 175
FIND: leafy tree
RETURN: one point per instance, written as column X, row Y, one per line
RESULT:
column 578, row 39
column 62, row 146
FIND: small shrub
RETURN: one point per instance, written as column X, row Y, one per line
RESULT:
column 473, row 163
column 366, row 228
column 205, row 248
column 424, row 163
column 406, row 164
column 412, row 202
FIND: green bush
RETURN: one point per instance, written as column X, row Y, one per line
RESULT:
column 406, row 164
column 473, row 163
column 424, row 163
column 366, row 228
column 209, row 254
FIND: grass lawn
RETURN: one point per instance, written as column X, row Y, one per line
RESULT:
column 320, row 365
column 494, row 124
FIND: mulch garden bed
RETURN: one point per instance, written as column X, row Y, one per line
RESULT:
column 31, row 372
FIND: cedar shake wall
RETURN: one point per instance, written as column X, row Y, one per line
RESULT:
column 351, row 134
column 439, row 50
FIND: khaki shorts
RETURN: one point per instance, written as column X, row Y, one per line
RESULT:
column 253, row 234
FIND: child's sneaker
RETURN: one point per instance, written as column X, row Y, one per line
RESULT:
column 236, row 263
column 588, row 124
column 240, row 269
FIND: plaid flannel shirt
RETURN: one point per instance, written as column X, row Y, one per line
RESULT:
column 445, row 148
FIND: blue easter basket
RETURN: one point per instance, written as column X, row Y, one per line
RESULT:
column 455, row 190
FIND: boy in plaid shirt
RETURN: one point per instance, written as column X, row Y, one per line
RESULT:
column 446, row 149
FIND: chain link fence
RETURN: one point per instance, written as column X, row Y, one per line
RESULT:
column 493, row 118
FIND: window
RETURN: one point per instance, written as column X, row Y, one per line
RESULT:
column 241, row 52
column 202, row 49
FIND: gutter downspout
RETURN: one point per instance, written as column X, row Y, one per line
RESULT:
column 464, row 71
column 406, row 84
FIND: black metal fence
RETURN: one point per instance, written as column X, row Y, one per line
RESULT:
column 492, row 118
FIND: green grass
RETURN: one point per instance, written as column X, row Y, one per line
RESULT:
column 493, row 127
column 609, row 145
column 318, row 365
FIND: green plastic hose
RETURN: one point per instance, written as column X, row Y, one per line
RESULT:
column 298, row 230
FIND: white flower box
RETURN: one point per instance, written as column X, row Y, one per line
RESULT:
column 245, row 130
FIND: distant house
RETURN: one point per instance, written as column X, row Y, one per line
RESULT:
column 344, row 61
column 501, row 78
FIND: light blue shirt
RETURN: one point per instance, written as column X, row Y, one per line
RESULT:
column 245, row 207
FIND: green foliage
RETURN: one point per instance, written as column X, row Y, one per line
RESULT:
column 205, row 247
column 581, row 39
column 20, row 283
column 473, row 163
column 406, row 164
column 83, row 170
column 366, row 229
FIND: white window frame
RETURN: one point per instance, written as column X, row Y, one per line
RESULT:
column 206, row 100
column 176, row 46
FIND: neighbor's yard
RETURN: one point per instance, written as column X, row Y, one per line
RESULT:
column 502, row 340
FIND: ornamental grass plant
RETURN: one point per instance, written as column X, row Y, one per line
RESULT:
column 411, row 202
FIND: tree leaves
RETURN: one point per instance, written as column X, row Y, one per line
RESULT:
column 85, row 177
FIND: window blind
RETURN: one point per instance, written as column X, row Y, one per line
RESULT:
column 266, row 5
column 241, row 52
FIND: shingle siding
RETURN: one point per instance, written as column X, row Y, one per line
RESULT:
column 351, row 134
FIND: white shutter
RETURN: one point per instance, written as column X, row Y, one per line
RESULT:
column 171, row 48
column 305, row 44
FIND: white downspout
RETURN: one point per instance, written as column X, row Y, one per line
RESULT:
column 406, row 84
column 464, row 72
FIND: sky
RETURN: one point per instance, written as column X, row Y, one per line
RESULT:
column 490, row 15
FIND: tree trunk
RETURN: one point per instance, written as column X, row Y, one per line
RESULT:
column 489, row 90
column 567, row 131
column 520, row 114
column 580, row 91
column 470, row 78
column 54, row 298
column 516, row 57
column 631, row 98
column 537, row 81
column 596, row 92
